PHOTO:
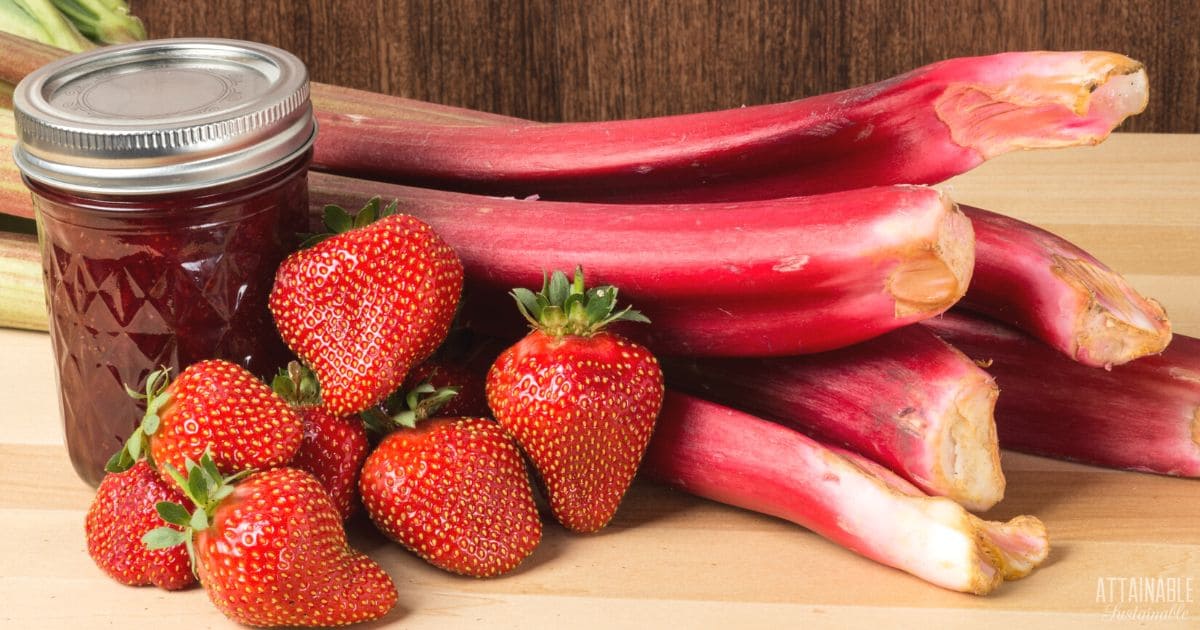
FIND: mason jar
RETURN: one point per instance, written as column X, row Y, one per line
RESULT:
column 169, row 180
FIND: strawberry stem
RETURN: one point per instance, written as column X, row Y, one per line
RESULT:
column 138, row 443
column 297, row 385
column 339, row 221
column 565, row 307
column 205, row 487
column 416, row 405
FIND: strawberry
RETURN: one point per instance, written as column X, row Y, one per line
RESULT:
column 121, row 513
column 362, row 306
column 579, row 400
column 454, row 491
column 214, row 405
column 271, row 550
column 333, row 447
column 471, row 400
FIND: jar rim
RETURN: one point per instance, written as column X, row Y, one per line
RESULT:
column 162, row 116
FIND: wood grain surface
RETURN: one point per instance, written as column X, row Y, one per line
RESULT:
column 556, row 60
column 670, row 560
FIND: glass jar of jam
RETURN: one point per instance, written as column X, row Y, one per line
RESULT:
column 169, row 180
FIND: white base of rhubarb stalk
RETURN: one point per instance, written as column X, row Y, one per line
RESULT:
column 721, row 454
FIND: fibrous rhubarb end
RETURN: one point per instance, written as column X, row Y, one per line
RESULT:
column 1196, row 428
column 934, row 538
column 933, row 279
column 1012, row 549
column 976, row 556
column 1054, row 99
column 1115, row 323
column 969, row 462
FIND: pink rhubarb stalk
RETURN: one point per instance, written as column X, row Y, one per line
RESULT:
column 1059, row 293
column 906, row 400
column 1144, row 415
column 14, row 196
column 728, row 456
column 921, row 127
column 764, row 278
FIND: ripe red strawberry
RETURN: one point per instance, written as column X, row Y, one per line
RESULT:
column 271, row 550
column 579, row 400
column 214, row 405
column 121, row 513
column 471, row 401
column 333, row 447
column 455, row 492
column 364, row 305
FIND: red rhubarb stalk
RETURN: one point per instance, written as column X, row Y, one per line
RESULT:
column 728, row 456
column 1144, row 415
column 906, row 400
column 765, row 278
column 22, row 56
column 921, row 127
column 1059, row 293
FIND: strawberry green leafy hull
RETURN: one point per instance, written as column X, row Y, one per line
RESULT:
column 721, row 454
column 579, row 400
column 1060, row 294
column 906, row 400
column 1144, row 415
column 275, row 553
column 920, row 127
column 762, row 278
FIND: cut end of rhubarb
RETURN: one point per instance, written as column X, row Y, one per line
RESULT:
column 930, row 281
column 995, row 552
column 970, row 456
column 1010, row 550
column 1196, row 428
column 1051, row 99
column 1116, row 324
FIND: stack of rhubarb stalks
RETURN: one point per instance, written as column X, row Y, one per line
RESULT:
column 799, row 275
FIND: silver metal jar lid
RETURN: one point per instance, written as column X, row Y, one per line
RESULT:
column 162, row 116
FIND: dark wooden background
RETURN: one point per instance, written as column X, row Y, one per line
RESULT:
column 584, row 60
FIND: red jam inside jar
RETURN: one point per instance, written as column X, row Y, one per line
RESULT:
column 161, row 255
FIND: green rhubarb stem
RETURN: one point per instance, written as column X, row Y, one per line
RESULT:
column 22, row 301
column 40, row 20
column 103, row 21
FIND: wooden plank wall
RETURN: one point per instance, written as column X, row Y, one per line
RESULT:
column 601, row 59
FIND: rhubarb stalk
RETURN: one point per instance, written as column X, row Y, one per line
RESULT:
column 921, row 128
column 728, row 456
column 22, row 299
column 1059, row 293
column 1144, row 415
column 906, row 400
column 763, row 278
column 14, row 196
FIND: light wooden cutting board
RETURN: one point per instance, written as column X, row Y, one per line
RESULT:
column 670, row 560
